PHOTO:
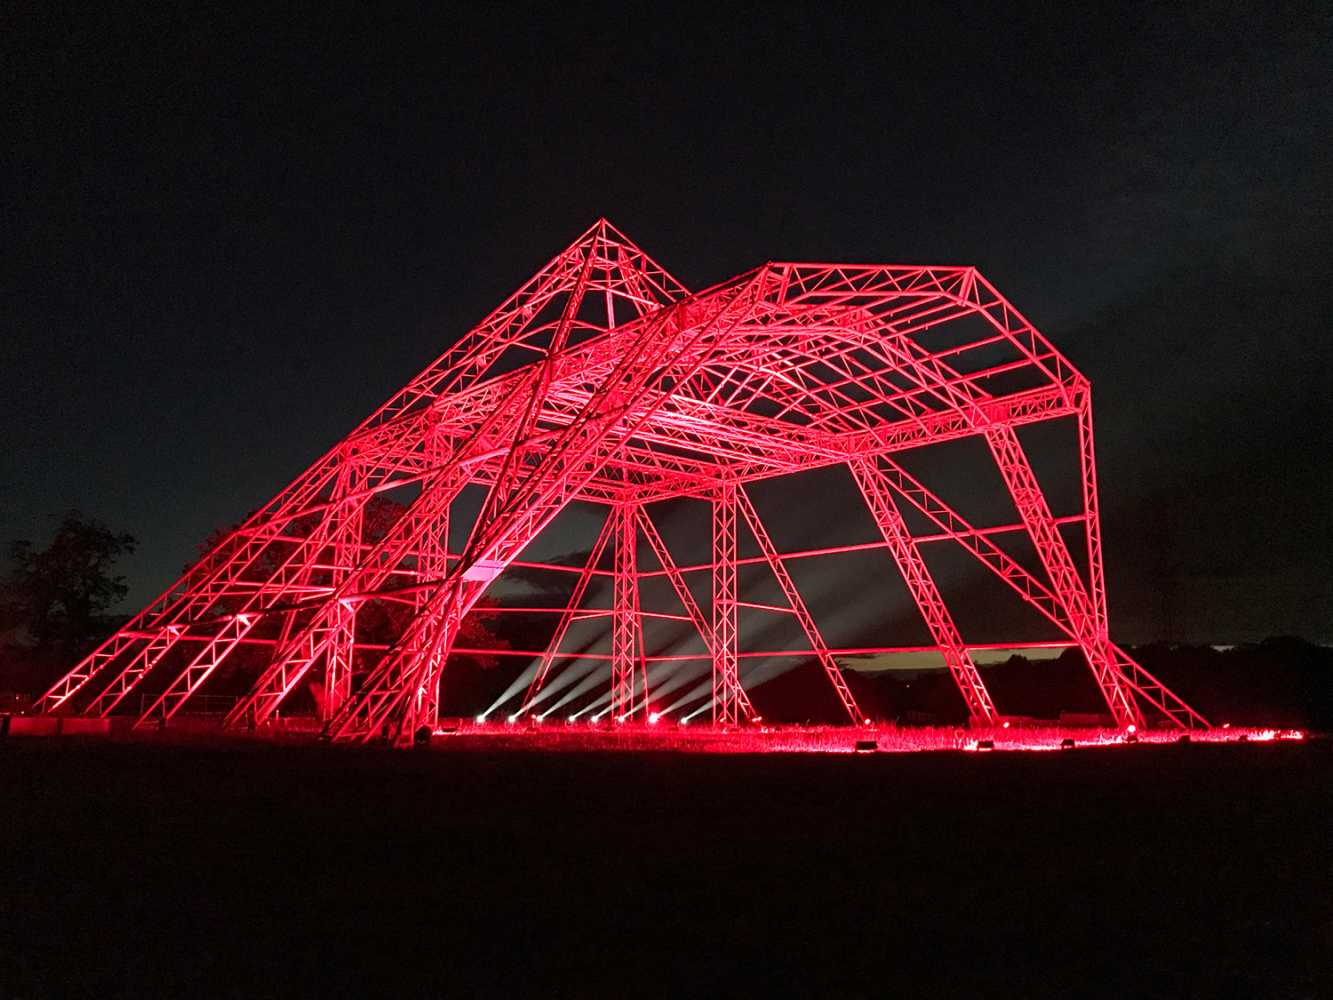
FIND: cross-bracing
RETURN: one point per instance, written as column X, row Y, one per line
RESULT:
column 603, row 380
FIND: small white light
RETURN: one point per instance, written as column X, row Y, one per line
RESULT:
column 481, row 720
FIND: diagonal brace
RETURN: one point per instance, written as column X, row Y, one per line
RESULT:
column 798, row 607
column 980, row 707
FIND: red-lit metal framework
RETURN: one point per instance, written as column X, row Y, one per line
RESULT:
column 604, row 380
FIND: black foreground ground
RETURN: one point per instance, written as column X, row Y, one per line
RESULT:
column 255, row 870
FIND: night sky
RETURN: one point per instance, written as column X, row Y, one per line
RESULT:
column 226, row 242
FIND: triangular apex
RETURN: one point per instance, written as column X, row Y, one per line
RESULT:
column 620, row 267
column 613, row 281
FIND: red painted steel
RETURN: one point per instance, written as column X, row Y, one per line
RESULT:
column 570, row 613
column 726, row 672
column 980, row 708
column 603, row 380
column 626, row 635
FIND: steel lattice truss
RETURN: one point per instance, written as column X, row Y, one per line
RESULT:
column 604, row 380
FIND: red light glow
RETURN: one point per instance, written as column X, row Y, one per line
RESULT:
column 603, row 381
column 842, row 739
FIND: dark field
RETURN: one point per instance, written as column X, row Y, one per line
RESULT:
column 251, row 870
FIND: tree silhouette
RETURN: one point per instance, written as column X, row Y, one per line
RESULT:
column 54, row 601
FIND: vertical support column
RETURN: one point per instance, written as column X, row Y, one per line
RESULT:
column 727, row 692
column 432, row 567
column 1088, row 626
column 1091, row 513
column 338, row 659
column 431, row 649
column 624, row 626
column 342, row 641
column 433, row 563
column 686, row 598
column 980, row 707
column 640, row 702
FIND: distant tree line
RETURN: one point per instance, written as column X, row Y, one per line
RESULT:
column 1285, row 682
column 55, row 603
column 55, row 608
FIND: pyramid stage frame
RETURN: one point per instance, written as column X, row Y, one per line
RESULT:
column 603, row 380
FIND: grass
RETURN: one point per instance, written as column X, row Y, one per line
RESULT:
column 251, row 870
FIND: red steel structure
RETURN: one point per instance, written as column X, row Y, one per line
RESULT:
column 603, row 380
